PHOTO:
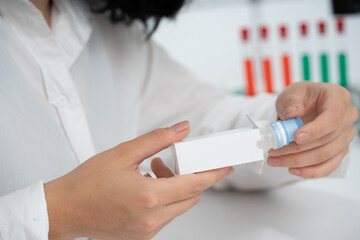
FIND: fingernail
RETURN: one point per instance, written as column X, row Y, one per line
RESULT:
column 275, row 162
column 295, row 172
column 181, row 126
column 290, row 109
column 230, row 171
column 303, row 137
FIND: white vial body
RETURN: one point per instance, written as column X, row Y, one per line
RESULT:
column 267, row 139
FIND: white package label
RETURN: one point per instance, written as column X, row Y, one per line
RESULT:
column 216, row 151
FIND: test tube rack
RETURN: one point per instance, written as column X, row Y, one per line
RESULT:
column 259, row 63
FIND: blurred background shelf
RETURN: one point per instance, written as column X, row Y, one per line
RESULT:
column 206, row 38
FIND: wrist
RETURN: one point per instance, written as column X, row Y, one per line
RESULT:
column 59, row 213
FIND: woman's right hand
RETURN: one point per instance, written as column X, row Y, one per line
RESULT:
column 107, row 198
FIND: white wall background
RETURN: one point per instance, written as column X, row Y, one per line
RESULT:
column 205, row 37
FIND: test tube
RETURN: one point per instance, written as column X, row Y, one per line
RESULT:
column 304, row 49
column 324, row 47
column 248, row 62
column 342, row 56
column 266, row 60
column 285, row 55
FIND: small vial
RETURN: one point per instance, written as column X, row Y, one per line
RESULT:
column 278, row 134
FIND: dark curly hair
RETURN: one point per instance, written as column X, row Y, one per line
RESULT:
column 146, row 11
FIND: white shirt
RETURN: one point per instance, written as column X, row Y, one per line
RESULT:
column 86, row 86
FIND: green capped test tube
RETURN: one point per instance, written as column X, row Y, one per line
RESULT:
column 304, row 46
column 342, row 57
column 324, row 47
column 306, row 67
column 324, row 68
column 343, row 70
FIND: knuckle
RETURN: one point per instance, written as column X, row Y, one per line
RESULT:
column 338, row 117
column 352, row 134
column 123, row 148
column 149, row 200
column 316, row 132
column 147, row 225
column 160, row 134
column 355, row 114
column 322, row 155
column 326, row 138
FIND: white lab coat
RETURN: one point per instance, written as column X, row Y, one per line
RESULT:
column 87, row 86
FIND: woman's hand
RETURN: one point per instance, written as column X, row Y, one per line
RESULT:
column 107, row 198
column 321, row 144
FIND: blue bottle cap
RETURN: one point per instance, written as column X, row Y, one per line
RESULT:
column 285, row 130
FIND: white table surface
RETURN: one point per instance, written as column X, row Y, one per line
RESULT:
column 313, row 209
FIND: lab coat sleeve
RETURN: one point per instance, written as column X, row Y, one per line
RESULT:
column 23, row 214
column 173, row 94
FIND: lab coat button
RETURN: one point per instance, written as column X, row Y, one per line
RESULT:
column 62, row 101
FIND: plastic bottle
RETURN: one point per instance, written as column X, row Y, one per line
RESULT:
column 277, row 134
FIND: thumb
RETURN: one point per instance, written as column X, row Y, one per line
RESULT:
column 145, row 146
column 290, row 103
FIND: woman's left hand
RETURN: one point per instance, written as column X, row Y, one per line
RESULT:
column 322, row 143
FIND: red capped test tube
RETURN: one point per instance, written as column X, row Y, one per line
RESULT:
column 248, row 62
column 285, row 55
column 324, row 47
column 341, row 44
column 266, row 60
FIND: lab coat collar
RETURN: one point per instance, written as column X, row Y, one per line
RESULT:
column 71, row 26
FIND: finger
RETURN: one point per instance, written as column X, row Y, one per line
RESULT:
column 143, row 147
column 322, row 169
column 329, row 119
column 160, row 169
column 313, row 156
column 178, row 208
column 290, row 103
column 186, row 186
column 154, row 222
column 293, row 147
column 167, row 213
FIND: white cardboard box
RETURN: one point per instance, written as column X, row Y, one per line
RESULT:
column 217, row 150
